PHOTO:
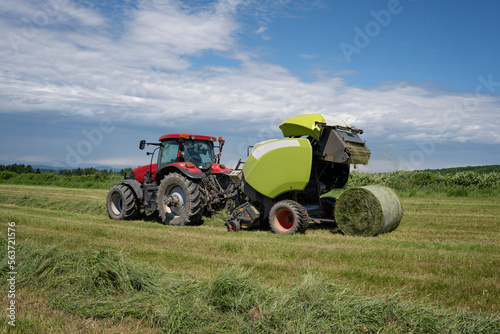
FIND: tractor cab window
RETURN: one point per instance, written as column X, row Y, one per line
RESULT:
column 169, row 150
column 199, row 152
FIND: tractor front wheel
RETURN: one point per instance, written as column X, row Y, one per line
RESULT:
column 179, row 200
column 288, row 217
column 121, row 203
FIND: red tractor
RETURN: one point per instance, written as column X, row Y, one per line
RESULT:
column 187, row 182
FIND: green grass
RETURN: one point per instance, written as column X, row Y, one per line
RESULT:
column 445, row 251
column 94, row 181
column 106, row 285
column 35, row 315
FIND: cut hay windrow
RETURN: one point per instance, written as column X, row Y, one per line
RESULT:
column 368, row 211
column 106, row 284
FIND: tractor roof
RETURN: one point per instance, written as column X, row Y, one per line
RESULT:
column 187, row 136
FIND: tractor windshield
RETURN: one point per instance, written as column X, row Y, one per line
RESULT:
column 199, row 152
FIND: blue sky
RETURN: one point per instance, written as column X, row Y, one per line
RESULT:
column 81, row 82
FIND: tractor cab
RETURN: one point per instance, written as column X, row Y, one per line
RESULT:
column 197, row 150
column 191, row 155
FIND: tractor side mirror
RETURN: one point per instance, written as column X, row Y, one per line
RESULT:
column 142, row 144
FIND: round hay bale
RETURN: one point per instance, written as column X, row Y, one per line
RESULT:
column 368, row 211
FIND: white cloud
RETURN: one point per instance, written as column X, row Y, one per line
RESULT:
column 261, row 30
column 307, row 56
column 143, row 74
column 67, row 12
column 165, row 26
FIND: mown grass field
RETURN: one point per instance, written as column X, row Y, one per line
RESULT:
column 445, row 252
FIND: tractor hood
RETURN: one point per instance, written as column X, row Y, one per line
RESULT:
column 308, row 125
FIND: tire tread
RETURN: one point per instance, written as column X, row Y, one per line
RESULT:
column 299, row 211
column 130, row 208
column 195, row 209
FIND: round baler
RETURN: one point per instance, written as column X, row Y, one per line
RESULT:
column 282, row 180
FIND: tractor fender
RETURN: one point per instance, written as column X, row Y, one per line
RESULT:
column 177, row 169
column 135, row 185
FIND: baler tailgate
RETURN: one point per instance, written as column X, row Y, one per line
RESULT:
column 342, row 146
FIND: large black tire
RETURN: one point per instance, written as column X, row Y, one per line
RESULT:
column 121, row 203
column 288, row 217
column 189, row 208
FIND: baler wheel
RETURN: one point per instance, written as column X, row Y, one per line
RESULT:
column 187, row 204
column 233, row 226
column 288, row 217
column 121, row 203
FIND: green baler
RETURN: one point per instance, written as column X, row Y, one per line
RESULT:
column 282, row 179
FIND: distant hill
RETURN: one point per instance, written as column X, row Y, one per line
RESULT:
column 478, row 169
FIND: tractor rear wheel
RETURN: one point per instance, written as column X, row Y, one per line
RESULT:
column 121, row 203
column 179, row 200
column 288, row 217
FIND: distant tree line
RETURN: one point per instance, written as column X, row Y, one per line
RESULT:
column 403, row 180
column 457, row 183
column 84, row 171
column 27, row 169
column 73, row 178
column 478, row 169
column 19, row 169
